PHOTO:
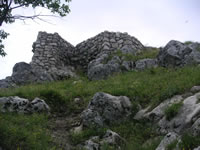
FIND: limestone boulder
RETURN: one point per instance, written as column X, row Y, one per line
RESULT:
column 168, row 139
column 105, row 109
column 186, row 118
column 92, row 144
column 110, row 138
column 38, row 105
column 23, row 73
column 176, row 53
column 195, row 129
column 21, row 105
column 159, row 112
column 187, row 115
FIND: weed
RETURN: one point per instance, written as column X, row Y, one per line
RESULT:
column 172, row 110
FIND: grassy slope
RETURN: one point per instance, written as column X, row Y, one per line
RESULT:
column 148, row 87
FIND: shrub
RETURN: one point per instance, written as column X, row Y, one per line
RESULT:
column 173, row 110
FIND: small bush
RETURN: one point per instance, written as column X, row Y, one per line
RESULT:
column 173, row 110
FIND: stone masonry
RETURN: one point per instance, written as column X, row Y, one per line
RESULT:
column 106, row 41
column 51, row 52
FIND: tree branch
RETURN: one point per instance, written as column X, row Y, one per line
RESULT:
column 5, row 11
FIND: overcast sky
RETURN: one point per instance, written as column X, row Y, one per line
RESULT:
column 153, row 22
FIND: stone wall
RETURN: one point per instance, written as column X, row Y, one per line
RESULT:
column 51, row 52
column 106, row 41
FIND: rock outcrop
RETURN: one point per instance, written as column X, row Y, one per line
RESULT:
column 187, row 114
column 168, row 139
column 176, row 53
column 185, row 119
column 24, row 106
column 105, row 109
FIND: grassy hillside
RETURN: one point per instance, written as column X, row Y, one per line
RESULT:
column 149, row 87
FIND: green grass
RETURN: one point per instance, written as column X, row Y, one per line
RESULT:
column 136, row 134
column 149, row 87
column 24, row 132
column 77, row 138
column 189, row 142
column 146, row 87
column 172, row 110
column 146, row 53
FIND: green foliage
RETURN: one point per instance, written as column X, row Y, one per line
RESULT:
column 172, row 145
column 137, row 133
column 3, row 35
column 107, row 147
column 189, row 142
column 188, row 42
column 24, row 132
column 173, row 110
